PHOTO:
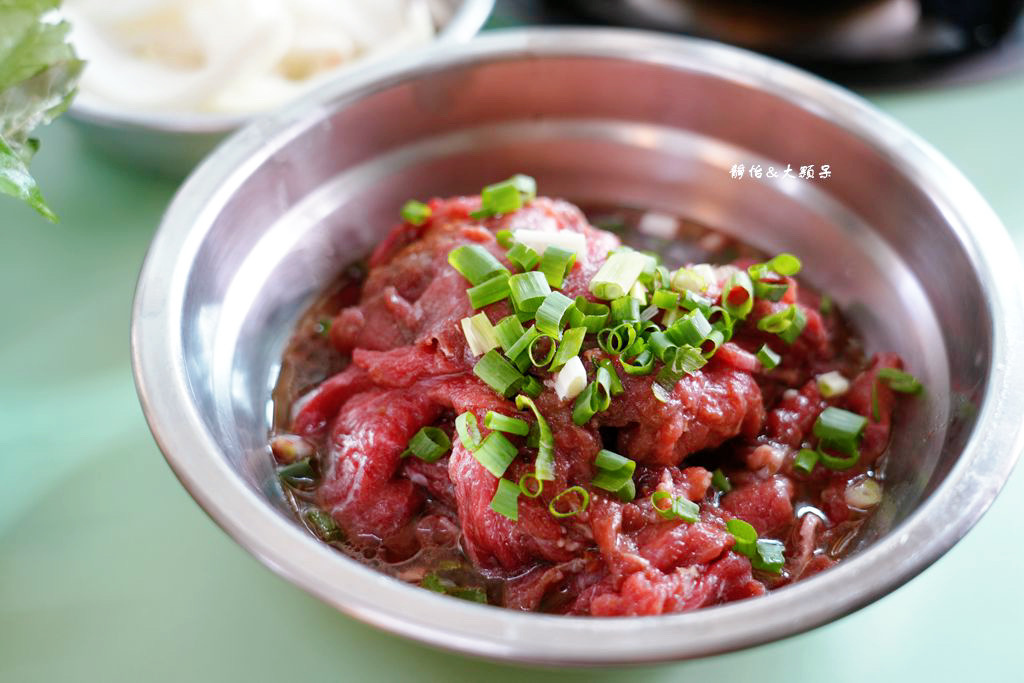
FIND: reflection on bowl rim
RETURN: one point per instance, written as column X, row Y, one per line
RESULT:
column 465, row 23
column 936, row 524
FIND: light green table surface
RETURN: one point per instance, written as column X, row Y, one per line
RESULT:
column 110, row 572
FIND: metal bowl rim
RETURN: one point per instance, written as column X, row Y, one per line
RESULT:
column 193, row 454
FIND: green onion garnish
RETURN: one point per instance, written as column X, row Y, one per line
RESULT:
column 496, row 453
column 544, row 466
column 526, row 489
column 506, row 499
column 528, row 291
column 508, row 331
column 524, row 257
column 532, row 386
column 498, row 373
column 832, row 384
column 505, row 423
column 593, row 399
column 428, row 444
column 899, row 381
column 556, row 264
column 468, row 430
column 479, row 333
column 785, row 264
column 608, row 378
column 825, row 305
column 475, row 263
column 521, row 346
column 745, row 535
column 720, row 481
column 544, row 345
column 805, row 460
column 625, row 309
column 834, row 462
column 839, row 427
column 415, row 212
column 489, row 291
column 665, row 299
column 298, row 473
column 679, row 508
column 641, row 364
column 614, row 474
column 576, row 509
column 615, row 340
column 508, row 195
column 769, row 359
column 553, row 314
column 693, row 328
column 505, row 238
column 434, row 582
column 569, row 347
column 790, row 334
column 589, row 314
column 323, row 525
column 738, row 295
column 618, row 274
column 692, row 300
column 787, row 323
column 769, row 556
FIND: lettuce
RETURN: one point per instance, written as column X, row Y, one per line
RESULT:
column 38, row 74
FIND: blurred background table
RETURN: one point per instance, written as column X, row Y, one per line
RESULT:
column 110, row 572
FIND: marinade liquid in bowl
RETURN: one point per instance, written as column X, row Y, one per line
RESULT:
column 512, row 406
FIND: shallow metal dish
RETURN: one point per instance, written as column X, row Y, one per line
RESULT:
column 897, row 235
column 172, row 143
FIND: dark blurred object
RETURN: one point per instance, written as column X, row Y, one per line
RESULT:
column 860, row 41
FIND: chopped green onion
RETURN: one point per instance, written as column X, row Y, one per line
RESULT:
column 505, row 238
column 680, row 361
column 556, row 264
column 665, row 298
column 508, row 195
column 642, row 364
column 649, row 313
column 825, row 305
column 768, row 555
column 834, row 462
column 839, row 427
column 297, row 473
column 589, row 314
column 692, row 300
column 615, row 340
column 528, row 290
column 772, row 291
column 479, row 333
column 695, row 279
column 738, row 295
column 805, row 460
column 785, row 264
column 720, row 481
column 532, row 387
column 745, row 535
column 661, row 392
column 498, row 373
column 692, row 329
column 639, row 292
column 769, row 359
column 428, row 444
column 618, row 274
column 790, row 334
column 614, row 472
column 475, row 263
column 607, row 377
column 506, row 499
column 575, row 510
column 496, row 453
column 548, row 347
column 660, row 344
column 544, row 466
column 468, row 430
column 569, row 347
column 504, row 423
column 712, row 343
column 526, row 489
column 554, row 312
column 489, row 291
column 508, row 331
column 541, row 240
column 680, row 507
column 832, row 384
column 571, row 380
column 433, row 582
column 415, row 212
column 523, row 256
column 323, row 525
column 521, row 346
column 593, row 399
column 899, row 381
column 625, row 309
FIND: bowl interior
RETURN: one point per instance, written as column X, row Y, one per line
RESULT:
column 297, row 198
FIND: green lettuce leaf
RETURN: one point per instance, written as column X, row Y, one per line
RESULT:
column 38, row 74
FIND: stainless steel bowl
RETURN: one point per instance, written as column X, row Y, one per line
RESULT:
column 906, row 245
column 172, row 143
